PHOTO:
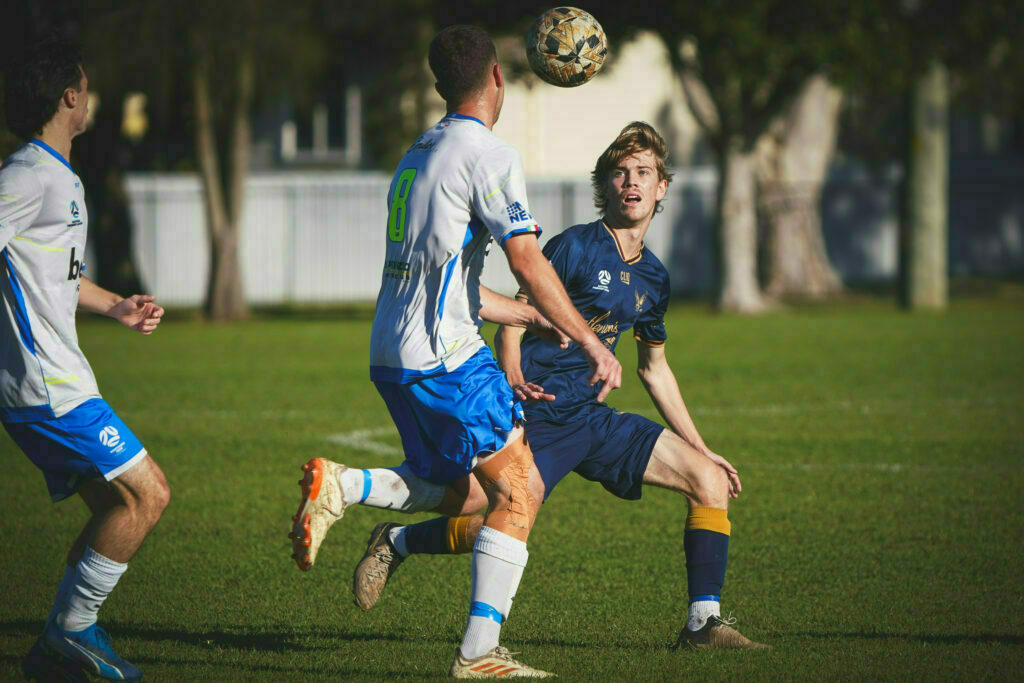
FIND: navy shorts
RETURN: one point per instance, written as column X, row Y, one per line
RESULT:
column 90, row 441
column 447, row 422
column 603, row 445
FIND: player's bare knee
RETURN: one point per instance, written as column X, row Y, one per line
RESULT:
column 711, row 487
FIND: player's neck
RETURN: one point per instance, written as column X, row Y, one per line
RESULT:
column 630, row 238
column 477, row 112
column 57, row 139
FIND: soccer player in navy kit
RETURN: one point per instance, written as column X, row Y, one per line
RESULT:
column 49, row 402
column 617, row 285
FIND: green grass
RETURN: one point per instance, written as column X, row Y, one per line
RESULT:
column 877, row 535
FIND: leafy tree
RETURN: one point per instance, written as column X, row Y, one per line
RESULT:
column 931, row 51
column 229, row 56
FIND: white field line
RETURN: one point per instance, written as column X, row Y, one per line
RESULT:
column 361, row 440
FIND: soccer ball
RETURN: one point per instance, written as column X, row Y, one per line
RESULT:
column 566, row 47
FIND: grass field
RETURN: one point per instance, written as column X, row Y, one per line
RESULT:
column 878, row 534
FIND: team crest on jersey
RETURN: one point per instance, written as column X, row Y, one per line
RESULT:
column 640, row 299
column 624, row 276
column 603, row 278
column 74, row 215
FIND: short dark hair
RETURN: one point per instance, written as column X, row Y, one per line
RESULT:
column 460, row 57
column 635, row 138
column 36, row 82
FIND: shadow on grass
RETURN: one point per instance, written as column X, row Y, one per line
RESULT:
column 953, row 639
column 283, row 640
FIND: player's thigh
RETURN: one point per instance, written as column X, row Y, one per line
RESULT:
column 678, row 466
column 143, row 485
column 622, row 445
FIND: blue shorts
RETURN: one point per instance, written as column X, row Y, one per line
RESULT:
column 446, row 422
column 602, row 445
column 90, row 441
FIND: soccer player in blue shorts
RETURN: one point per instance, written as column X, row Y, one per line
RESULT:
column 617, row 285
column 457, row 188
column 49, row 401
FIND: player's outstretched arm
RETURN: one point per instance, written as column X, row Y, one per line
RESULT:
column 500, row 309
column 138, row 312
column 506, row 346
column 660, row 382
column 539, row 280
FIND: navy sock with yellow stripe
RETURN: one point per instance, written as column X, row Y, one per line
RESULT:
column 442, row 535
column 706, row 542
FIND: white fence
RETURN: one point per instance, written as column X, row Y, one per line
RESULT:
column 319, row 237
column 310, row 238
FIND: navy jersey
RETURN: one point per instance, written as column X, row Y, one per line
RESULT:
column 613, row 295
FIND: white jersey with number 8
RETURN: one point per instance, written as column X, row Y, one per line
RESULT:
column 455, row 189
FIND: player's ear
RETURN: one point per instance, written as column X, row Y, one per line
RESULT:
column 662, row 189
column 499, row 81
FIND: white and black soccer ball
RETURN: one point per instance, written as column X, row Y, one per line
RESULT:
column 566, row 47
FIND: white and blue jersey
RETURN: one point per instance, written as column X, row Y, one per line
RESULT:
column 43, row 229
column 455, row 189
column 613, row 294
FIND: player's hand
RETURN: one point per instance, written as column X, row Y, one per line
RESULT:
column 528, row 391
column 734, row 478
column 605, row 368
column 542, row 327
column 138, row 312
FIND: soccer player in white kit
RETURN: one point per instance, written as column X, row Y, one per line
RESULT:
column 49, row 402
column 457, row 188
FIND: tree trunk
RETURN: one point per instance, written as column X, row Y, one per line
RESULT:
column 793, row 159
column 737, row 232
column 924, row 247
column 101, row 153
column 225, row 299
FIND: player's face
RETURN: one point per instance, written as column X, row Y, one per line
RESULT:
column 632, row 189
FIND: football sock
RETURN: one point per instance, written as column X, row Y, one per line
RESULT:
column 396, row 488
column 498, row 563
column 438, row 536
column 706, row 542
column 398, row 536
column 62, row 592
column 95, row 577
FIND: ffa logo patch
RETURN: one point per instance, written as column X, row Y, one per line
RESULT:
column 624, row 276
column 74, row 210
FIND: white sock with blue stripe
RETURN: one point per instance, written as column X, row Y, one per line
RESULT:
column 396, row 488
column 701, row 608
column 498, row 563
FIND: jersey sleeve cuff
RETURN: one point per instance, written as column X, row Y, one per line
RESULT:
column 653, row 343
column 533, row 229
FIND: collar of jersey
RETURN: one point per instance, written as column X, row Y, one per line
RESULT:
column 618, row 246
column 463, row 116
column 39, row 143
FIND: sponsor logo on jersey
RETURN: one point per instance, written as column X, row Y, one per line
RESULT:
column 76, row 267
column 396, row 270
column 422, row 146
column 624, row 276
column 598, row 325
column 640, row 299
column 110, row 438
column 517, row 213
column 603, row 278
